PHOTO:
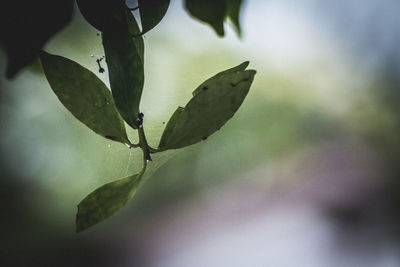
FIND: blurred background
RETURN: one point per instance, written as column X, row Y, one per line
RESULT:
column 305, row 174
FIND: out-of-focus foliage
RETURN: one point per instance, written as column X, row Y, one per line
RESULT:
column 105, row 16
column 210, row 12
column 25, row 26
column 152, row 12
column 233, row 13
column 215, row 13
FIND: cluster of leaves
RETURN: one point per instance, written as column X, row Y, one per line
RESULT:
column 105, row 112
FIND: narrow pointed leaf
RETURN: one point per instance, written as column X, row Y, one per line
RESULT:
column 212, row 12
column 152, row 12
column 126, row 73
column 211, row 107
column 234, row 13
column 105, row 201
column 84, row 95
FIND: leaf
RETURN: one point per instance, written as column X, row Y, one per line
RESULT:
column 134, row 30
column 126, row 73
column 212, row 12
column 170, row 125
column 104, row 15
column 84, row 95
column 238, row 68
column 25, row 27
column 105, row 201
column 234, row 13
column 212, row 105
column 152, row 12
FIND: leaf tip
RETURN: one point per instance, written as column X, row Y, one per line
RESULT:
column 253, row 72
column 245, row 64
column 220, row 31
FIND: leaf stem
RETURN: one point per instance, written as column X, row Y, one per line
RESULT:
column 132, row 145
column 155, row 150
column 143, row 144
column 144, row 165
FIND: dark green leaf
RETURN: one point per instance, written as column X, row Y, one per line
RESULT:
column 105, row 15
column 234, row 13
column 25, row 26
column 126, row 73
column 105, row 201
column 152, row 12
column 212, row 105
column 134, row 30
column 84, row 95
column 212, row 12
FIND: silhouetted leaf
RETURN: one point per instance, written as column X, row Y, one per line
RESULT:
column 134, row 30
column 234, row 13
column 212, row 12
column 126, row 73
column 105, row 201
column 25, row 26
column 152, row 12
column 105, row 15
column 84, row 95
column 212, row 105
